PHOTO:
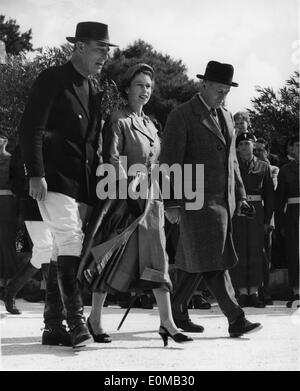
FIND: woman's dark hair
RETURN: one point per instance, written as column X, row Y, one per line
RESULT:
column 263, row 141
column 290, row 141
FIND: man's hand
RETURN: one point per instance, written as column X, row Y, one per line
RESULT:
column 38, row 188
column 241, row 203
column 268, row 228
column 173, row 215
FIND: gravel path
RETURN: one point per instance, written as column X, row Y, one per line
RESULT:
column 138, row 347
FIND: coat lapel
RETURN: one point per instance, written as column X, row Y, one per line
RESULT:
column 205, row 118
column 148, row 130
column 228, row 124
column 81, row 97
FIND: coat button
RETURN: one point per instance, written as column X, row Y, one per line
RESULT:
column 151, row 154
column 79, row 116
column 151, row 143
column 219, row 148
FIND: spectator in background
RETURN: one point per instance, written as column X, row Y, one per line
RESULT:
column 262, row 152
column 248, row 233
column 8, row 218
column 288, row 152
column 241, row 122
column 287, row 217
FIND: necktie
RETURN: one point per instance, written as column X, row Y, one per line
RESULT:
column 86, row 87
column 214, row 112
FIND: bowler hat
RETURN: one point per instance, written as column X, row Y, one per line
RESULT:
column 91, row 31
column 219, row 73
column 245, row 136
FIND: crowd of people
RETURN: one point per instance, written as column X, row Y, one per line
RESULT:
column 83, row 235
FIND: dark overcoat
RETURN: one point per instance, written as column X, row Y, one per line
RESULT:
column 248, row 233
column 191, row 136
column 59, row 133
column 287, row 216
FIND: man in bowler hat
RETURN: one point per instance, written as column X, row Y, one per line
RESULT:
column 59, row 134
column 201, row 131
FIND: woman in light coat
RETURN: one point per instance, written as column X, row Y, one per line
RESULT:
column 128, row 250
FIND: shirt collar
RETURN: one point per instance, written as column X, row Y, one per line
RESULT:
column 131, row 114
column 77, row 75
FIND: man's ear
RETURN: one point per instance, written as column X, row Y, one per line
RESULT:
column 80, row 46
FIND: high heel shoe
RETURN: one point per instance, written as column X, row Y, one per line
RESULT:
column 101, row 338
column 178, row 337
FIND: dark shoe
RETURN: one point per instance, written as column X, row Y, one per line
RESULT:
column 56, row 335
column 145, row 302
column 242, row 326
column 80, row 335
column 100, row 338
column 200, row 303
column 253, row 301
column 189, row 326
column 191, row 304
column 16, row 283
column 243, row 301
column 10, row 305
column 268, row 300
column 178, row 337
column 67, row 267
column 289, row 304
column 124, row 304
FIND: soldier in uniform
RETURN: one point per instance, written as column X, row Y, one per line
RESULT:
column 248, row 232
column 287, row 216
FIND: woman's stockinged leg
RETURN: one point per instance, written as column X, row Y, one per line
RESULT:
column 163, row 301
column 95, row 317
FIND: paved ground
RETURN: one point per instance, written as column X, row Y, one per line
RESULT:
column 138, row 347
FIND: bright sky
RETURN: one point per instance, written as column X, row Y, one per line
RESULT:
column 260, row 38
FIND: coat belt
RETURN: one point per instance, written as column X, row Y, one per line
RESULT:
column 293, row 200
column 254, row 197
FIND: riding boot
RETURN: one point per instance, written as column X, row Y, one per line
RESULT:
column 67, row 267
column 23, row 275
column 55, row 332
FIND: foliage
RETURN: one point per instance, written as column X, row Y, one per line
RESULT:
column 16, row 79
column 15, row 42
column 18, row 74
column 275, row 116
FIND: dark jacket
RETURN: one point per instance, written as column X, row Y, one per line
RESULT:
column 59, row 133
column 191, row 136
column 257, row 180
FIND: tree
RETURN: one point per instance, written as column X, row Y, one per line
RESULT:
column 275, row 116
column 172, row 85
column 15, row 41
column 16, row 79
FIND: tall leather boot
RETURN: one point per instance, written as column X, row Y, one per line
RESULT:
column 16, row 283
column 55, row 332
column 67, row 267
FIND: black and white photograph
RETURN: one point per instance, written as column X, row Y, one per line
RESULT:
column 149, row 189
